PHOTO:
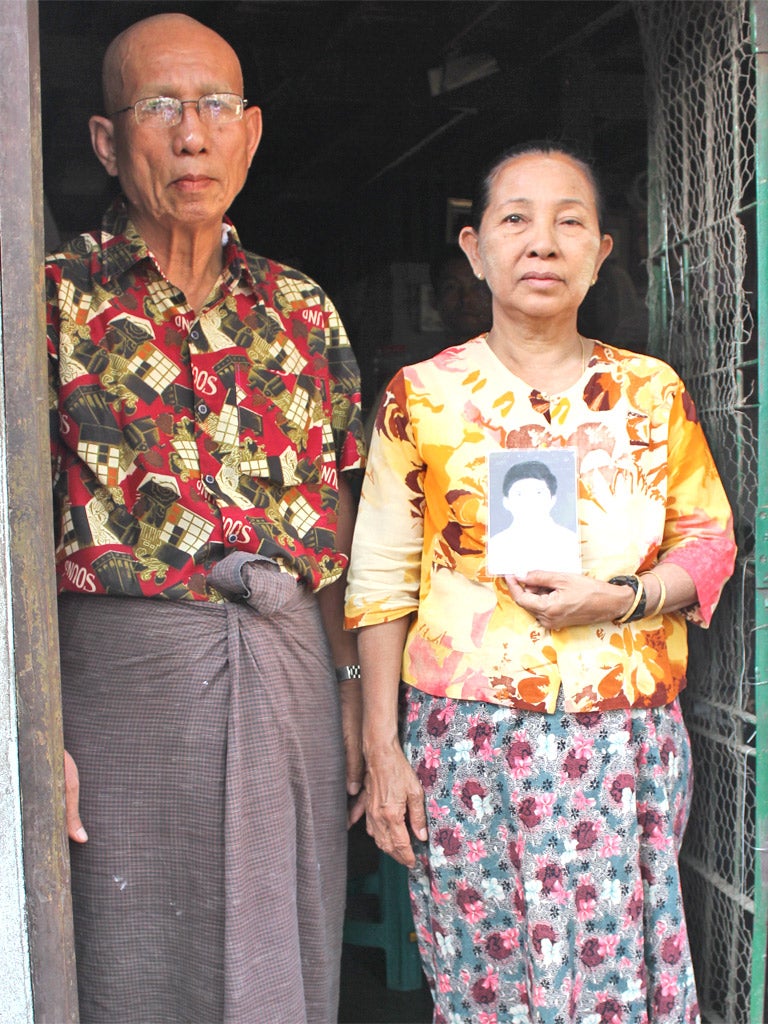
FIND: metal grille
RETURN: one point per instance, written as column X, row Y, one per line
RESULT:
column 702, row 118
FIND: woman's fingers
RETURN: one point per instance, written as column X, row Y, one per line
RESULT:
column 559, row 600
column 394, row 808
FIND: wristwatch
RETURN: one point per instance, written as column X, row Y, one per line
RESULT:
column 345, row 672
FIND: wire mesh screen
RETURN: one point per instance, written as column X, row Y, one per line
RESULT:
column 701, row 114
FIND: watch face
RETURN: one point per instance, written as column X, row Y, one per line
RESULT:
column 626, row 581
column 637, row 608
column 345, row 672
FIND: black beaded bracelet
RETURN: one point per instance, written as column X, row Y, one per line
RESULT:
column 637, row 609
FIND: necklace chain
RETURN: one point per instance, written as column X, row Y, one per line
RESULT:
column 551, row 397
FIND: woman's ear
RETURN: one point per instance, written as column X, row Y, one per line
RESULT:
column 103, row 142
column 606, row 247
column 469, row 243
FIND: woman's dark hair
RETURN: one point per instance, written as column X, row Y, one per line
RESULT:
column 545, row 147
column 531, row 470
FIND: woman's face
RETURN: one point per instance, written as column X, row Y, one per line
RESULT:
column 539, row 245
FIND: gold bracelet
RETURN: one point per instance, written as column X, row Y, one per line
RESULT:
column 662, row 592
column 639, row 596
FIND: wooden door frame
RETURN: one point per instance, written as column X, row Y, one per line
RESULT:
column 33, row 631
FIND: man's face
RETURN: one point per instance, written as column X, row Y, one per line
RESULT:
column 187, row 175
column 529, row 500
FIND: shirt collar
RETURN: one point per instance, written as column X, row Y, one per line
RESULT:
column 122, row 247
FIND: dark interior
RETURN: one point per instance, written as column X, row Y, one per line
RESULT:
column 377, row 115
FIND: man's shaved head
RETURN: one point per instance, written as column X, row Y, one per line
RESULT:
column 128, row 48
column 179, row 178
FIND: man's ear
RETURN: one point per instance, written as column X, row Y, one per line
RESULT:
column 103, row 142
column 253, row 127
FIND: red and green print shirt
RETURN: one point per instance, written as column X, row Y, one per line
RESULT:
column 178, row 438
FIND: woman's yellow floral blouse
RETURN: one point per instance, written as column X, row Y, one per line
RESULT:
column 648, row 491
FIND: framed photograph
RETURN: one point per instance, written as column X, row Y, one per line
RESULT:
column 532, row 513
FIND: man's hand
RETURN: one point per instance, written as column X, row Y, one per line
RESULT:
column 351, row 698
column 75, row 828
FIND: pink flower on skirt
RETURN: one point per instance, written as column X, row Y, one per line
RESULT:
column 432, row 756
column 609, row 1011
column 520, row 756
column 590, row 954
column 585, row 834
column 476, row 850
column 482, row 993
column 528, row 812
column 608, row 944
column 623, row 781
column 611, row 846
column 469, row 789
column 672, row 949
column 499, row 945
column 541, row 932
column 586, row 900
column 551, row 877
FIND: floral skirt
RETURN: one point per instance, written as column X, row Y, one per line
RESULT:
column 549, row 890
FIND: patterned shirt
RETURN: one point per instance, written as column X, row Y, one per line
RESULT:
column 176, row 438
column 648, row 491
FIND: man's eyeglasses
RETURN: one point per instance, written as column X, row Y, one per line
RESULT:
column 165, row 111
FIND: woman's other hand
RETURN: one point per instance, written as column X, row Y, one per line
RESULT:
column 394, row 799
column 394, row 804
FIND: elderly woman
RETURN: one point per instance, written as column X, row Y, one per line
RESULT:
column 543, row 783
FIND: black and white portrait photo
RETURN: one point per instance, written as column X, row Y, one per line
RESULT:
column 532, row 518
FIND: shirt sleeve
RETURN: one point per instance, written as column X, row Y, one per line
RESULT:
column 346, row 414
column 698, row 532
column 384, row 575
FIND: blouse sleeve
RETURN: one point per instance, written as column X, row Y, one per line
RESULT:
column 698, row 533
column 384, row 574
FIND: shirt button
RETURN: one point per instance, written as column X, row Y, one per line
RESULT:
column 209, row 479
column 202, row 409
column 232, row 538
column 194, row 335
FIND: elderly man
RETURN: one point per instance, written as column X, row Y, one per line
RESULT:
column 205, row 416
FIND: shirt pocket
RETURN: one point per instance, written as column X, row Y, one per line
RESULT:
column 281, row 425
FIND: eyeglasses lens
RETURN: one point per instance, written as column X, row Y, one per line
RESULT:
column 166, row 111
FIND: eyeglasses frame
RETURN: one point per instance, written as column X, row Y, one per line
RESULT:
column 182, row 104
